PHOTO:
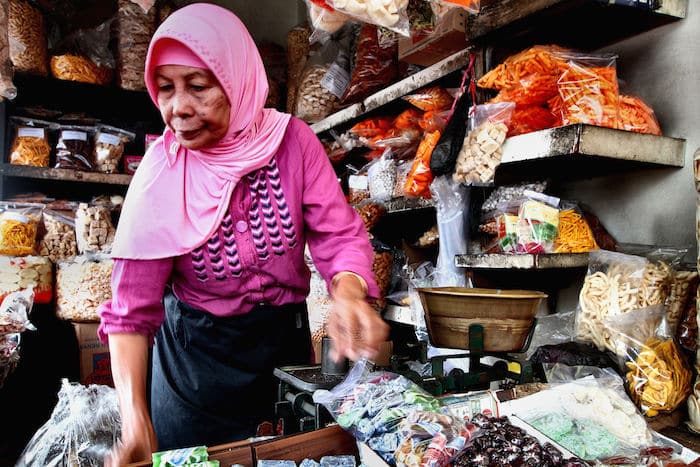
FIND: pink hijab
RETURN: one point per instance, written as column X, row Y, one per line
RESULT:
column 178, row 197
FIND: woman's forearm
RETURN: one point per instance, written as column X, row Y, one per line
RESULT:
column 129, row 356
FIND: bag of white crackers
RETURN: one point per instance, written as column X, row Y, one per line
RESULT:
column 83, row 283
column 482, row 150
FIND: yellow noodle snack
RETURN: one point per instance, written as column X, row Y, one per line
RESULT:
column 30, row 147
column 574, row 234
column 658, row 380
column 78, row 68
column 17, row 234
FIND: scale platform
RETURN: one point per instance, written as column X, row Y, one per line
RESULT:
column 307, row 378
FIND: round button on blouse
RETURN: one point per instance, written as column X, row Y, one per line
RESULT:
column 241, row 226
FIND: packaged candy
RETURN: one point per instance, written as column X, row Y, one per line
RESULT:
column 396, row 418
column 178, row 457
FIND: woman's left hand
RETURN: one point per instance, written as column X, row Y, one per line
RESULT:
column 354, row 327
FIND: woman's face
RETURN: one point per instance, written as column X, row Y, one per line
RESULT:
column 193, row 105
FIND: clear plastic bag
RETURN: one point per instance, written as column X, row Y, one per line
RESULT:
column 588, row 91
column 390, row 14
column 538, row 225
column 552, row 329
column 14, row 312
column 18, row 228
column 375, row 63
column 94, row 231
column 529, row 118
column 83, row 284
column 591, row 416
column 637, row 116
column 7, row 88
column 382, row 177
column 371, row 212
column 84, row 56
column 420, row 177
column 59, row 242
column 505, row 193
column 453, row 227
column 573, row 233
column 135, row 26
column 482, row 148
column 472, row 6
column 402, row 169
column 74, row 149
column 32, row 273
column 324, row 19
column 82, row 429
column 434, row 98
column 395, row 417
column 657, row 376
column 9, row 355
column 611, row 288
column 30, row 145
column 27, row 37
column 109, row 147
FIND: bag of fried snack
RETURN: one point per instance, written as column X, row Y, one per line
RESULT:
column 657, row 376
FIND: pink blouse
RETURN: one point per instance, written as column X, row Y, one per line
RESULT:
column 257, row 254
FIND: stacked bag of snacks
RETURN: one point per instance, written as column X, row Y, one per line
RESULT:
column 626, row 307
column 552, row 86
column 97, row 148
column 20, row 268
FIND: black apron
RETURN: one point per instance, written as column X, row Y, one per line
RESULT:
column 212, row 379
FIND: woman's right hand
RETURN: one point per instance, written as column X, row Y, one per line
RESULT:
column 138, row 439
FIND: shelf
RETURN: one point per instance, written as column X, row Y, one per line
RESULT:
column 584, row 24
column 45, row 173
column 532, row 262
column 580, row 151
column 408, row 204
column 416, row 81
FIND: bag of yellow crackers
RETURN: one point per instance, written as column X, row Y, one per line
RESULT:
column 18, row 228
column 656, row 373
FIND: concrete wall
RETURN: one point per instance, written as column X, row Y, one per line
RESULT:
column 653, row 206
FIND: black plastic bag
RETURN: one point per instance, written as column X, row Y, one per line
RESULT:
column 444, row 157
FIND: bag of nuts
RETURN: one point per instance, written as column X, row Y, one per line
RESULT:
column 109, row 148
column 59, row 242
column 82, row 285
column 94, row 230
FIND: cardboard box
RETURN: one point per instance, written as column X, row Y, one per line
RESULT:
column 330, row 441
column 449, row 37
column 94, row 355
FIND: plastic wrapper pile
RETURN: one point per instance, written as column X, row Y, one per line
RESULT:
column 396, row 418
column 14, row 320
column 81, row 431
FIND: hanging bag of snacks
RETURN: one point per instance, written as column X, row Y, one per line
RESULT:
column 135, row 25
column 18, row 228
column 27, row 37
column 31, row 143
column 109, row 148
column 7, row 87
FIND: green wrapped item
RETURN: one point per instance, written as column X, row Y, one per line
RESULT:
column 180, row 457
column 582, row 437
column 205, row 464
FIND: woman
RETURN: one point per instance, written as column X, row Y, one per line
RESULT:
column 219, row 212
